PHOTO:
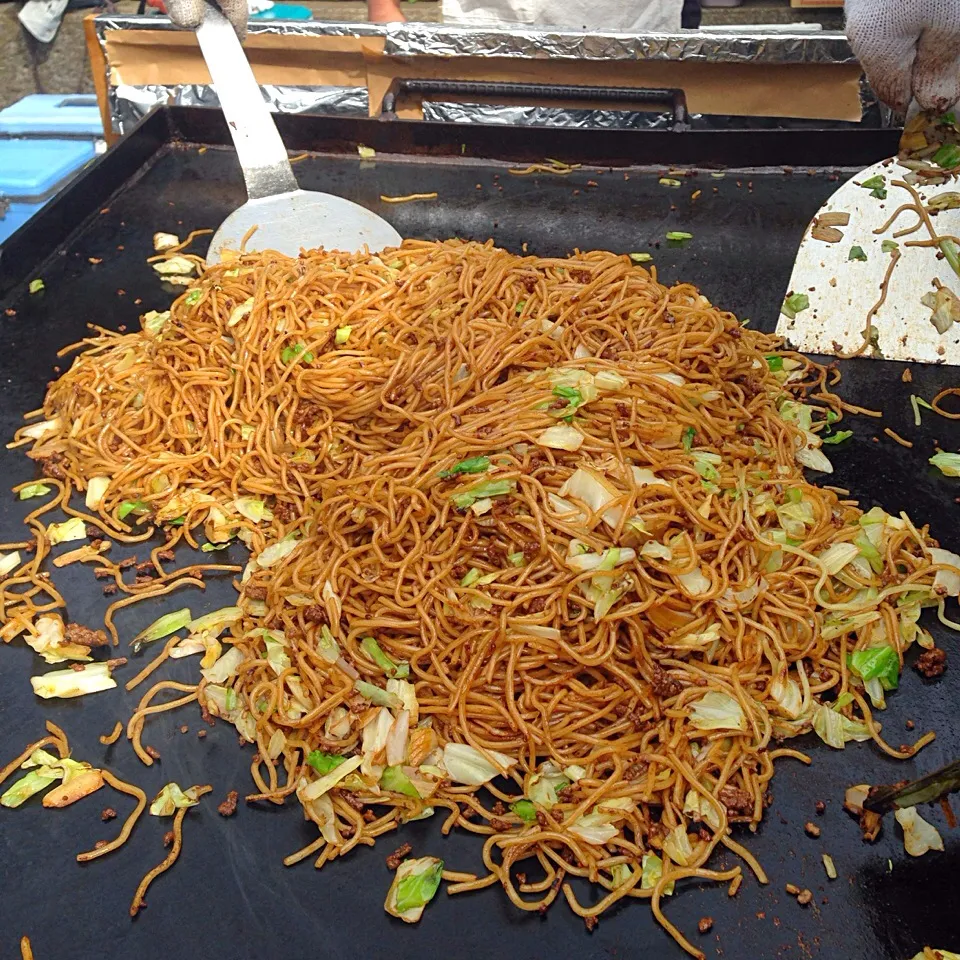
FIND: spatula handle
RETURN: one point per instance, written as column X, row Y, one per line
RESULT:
column 263, row 157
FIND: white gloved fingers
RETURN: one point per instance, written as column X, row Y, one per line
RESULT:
column 886, row 46
column 187, row 14
column 236, row 11
column 889, row 70
column 936, row 73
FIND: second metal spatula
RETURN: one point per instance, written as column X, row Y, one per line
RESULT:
column 843, row 268
column 286, row 217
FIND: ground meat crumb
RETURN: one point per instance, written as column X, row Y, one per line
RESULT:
column 591, row 923
column 353, row 801
column 792, row 889
column 738, row 802
column 396, row 858
column 254, row 592
column 812, row 829
column 664, row 686
column 75, row 633
column 315, row 614
column 142, row 578
column 102, row 573
column 705, row 925
column 152, row 752
column 201, row 734
column 229, row 806
column 636, row 770
column 804, row 897
column 501, row 826
column 168, row 838
column 166, row 555
column 108, row 813
column 99, row 844
column 307, row 413
column 369, row 816
column 932, row 663
column 184, row 729
column 821, row 808
column 52, row 466
column 910, row 724
column 110, row 589
column 499, row 809
column 147, row 567
column 77, row 667
column 126, row 564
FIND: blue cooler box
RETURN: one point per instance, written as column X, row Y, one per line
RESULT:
column 32, row 171
column 52, row 115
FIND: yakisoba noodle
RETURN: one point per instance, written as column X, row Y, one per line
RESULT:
column 533, row 550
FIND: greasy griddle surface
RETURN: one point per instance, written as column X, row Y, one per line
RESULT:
column 229, row 895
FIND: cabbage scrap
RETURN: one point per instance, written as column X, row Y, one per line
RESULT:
column 69, row 530
column 717, row 711
column 545, row 785
column 91, row 678
column 466, row 764
column 836, row 730
column 171, row 799
column 919, row 836
column 164, row 626
column 652, row 870
column 414, row 885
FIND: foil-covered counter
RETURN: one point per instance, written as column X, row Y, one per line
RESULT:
column 403, row 48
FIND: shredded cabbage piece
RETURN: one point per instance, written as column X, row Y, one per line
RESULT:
column 164, row 626
column 717, row 711
column 466, row 764
column 652, row 870
column 69, row 530
column 836, row 730
column 546, row 784
column 414, row 885
column 91, row 678
column 171, row 799
column 677, row 846
column 919, row 836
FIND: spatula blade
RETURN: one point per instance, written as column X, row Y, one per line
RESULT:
column 843, row 291
column 288, row 222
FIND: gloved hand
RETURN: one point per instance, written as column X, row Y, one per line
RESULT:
column 189, row 13
column 908, row 48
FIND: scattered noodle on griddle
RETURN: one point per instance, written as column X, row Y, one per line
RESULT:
column 621, row 616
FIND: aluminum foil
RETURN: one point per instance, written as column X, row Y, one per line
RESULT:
column 439, row 40
column 614, row 119
column 129, row 104
column 411, row 39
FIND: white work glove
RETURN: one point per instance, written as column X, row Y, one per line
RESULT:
column 908, row 49
column 189, row 13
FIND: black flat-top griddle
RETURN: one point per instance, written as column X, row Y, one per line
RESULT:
column 229, row 895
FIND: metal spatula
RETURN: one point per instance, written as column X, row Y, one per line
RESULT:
column 286, row 217
column 842, row 291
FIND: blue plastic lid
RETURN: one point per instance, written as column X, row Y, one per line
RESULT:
column 284, row 11
column 53, row 113
column 34, row 168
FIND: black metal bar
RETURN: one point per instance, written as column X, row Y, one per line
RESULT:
column 616, row 148
column 539, row 92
